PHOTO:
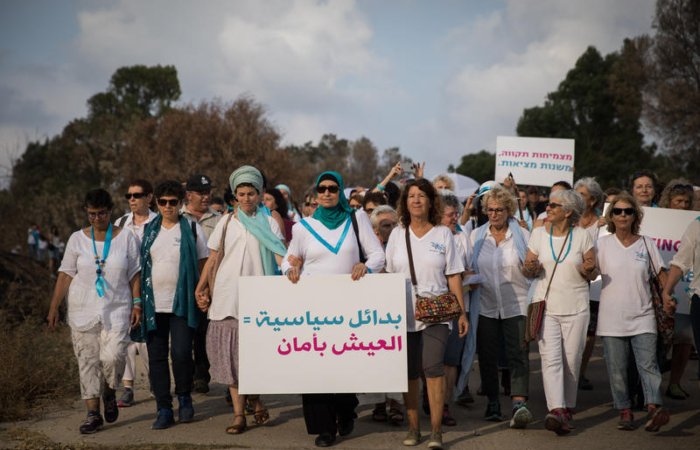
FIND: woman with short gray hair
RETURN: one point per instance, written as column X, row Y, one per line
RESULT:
column 562, row 247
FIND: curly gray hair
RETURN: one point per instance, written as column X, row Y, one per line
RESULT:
column 594, row 190
column 449, row 199
column 570, row 201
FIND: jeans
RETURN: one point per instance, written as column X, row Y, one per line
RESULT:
column 511, row 333
column 616, row 358
column 174, row 327
column 695, row 322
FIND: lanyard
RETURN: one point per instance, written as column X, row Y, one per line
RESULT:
column 100, row 283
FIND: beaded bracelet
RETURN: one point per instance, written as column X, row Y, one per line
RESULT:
column 138, row 308
column 137, row 300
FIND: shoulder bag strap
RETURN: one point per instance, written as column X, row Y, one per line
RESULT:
column 122, row 222
column 651, row 264
column 410, row 258
column 356, row 229
column 556, row 262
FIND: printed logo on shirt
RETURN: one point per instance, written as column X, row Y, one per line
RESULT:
column 641, row 256
column 437, row 248
column 177, row 241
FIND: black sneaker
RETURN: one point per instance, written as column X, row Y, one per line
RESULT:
column 493, row 411
column 93, row 422
column 111, row 409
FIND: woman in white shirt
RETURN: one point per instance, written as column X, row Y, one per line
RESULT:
column 252, row 242
column 327, row 244
column 500, row 247
column 438, row 271
column 173, row 253
column 139, row 194
column 561, row 244
column 626, row 312
column 100, row 275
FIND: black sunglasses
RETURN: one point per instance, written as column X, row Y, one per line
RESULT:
column 171, row 201
column 136, row 195
column 683, row 186
column 627, row 211
column 333, row 189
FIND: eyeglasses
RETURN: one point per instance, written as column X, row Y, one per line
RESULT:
column 553, row 205
column 100, row 214
column 168, row 201
column 627, row 211
column 333, row 189
column 369, row 211
column 136, row 195
column 356, row 207
column 314, row 204
column 494, row 211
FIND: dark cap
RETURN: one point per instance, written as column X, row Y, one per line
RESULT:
column 199, row 182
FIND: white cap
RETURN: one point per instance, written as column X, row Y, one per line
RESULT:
column 485, row 187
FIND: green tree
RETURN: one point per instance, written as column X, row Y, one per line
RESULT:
column 479, row 166
column 598, row 105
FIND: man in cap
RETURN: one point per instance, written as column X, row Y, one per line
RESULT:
column 198, row 208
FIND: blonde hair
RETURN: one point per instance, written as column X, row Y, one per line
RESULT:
column 445, row 179
column 503, row 197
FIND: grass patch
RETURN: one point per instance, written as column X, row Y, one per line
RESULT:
column 33, row 440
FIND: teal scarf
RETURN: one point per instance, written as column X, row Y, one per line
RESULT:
column 333, row 217
column 269, row 243
column 188, row 275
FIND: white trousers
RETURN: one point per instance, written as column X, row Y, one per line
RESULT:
column 132, row 350
column 561, row 344
column 101, row 358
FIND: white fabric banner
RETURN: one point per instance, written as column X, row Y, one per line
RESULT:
column 535, row 161
column 326, row 333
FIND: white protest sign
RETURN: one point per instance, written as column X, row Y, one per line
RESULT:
column 666, row 227
column 535, row 161
column 326, row 333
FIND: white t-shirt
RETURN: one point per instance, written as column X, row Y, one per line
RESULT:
column 568, row 293
column 165, row 255
column 435, row 255
column 85, row 307
column 137, row 230
column 241, row 258
column 504, row 294
column 625, row 300
column 318, row 259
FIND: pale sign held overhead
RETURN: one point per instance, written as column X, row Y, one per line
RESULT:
column 535, row 161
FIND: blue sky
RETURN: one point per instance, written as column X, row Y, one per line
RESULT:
column 439, row 79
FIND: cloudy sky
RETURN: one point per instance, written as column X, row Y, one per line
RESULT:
column 439, row 79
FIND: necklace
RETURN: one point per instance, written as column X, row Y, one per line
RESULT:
column 551, row 244
column 100, row 283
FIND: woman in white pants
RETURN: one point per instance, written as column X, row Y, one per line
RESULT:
column 562, row 338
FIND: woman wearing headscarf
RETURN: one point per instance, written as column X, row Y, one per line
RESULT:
column 562, row 245
column 327, row 244
column 100, row 276
column 679, row 194
column 243, row 244
column 173, row 252
column 500, row 304
column 437, row 272
column 627, row 318
column 292, row 212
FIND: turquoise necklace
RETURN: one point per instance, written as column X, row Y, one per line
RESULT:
column 551, row 245
column 100, row 283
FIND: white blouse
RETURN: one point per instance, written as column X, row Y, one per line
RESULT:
column 241, row 258
column 85, row 307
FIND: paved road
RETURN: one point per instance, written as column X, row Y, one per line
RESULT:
column 595, row 422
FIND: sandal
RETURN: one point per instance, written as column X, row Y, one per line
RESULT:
column 379, row 414
column 261, row 417
column 237, row 428
column 395, row 416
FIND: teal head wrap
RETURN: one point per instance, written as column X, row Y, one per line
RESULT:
column 333, row 217
column 246, row 174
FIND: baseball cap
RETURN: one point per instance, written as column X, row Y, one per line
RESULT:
column 485, row 187
column 199, row 182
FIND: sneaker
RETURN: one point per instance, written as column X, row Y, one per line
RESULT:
column 412, row 438
column 521, row 416
column 164, row 420
column 93, row 422
column 493, row 411
column 111, row 410
column 465, row 397
column 185, row 412
column 556, row 421
column 657, row 418
column 435, row 441
column 325, row 440
column 200, row 386
column 626, row 421
column 447, row 418
column 584, row 384
column 345, row 426
column 126, row 399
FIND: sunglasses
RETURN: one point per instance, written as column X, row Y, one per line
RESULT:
column 683, row 186
column 171, row 201
column 627, row 211
column 553, row 205
column 100, row 214
column 331, row 189
column 136, row 195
